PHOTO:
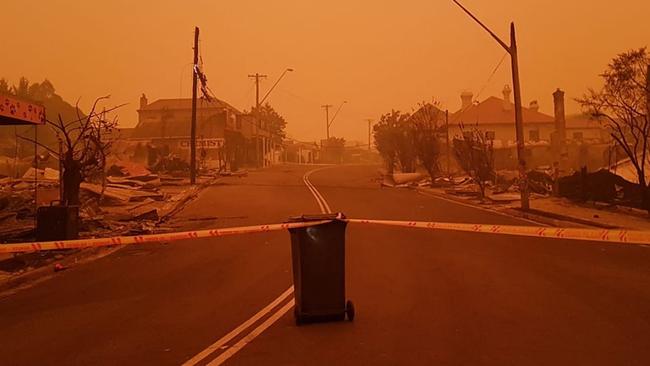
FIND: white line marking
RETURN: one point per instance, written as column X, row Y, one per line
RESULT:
column 319, row 197
column 324, row 207
column 307, row 183
column 252, row 335
column 228, row 337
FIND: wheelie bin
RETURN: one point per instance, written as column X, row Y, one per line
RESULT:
column 318, row 256
column 57, row 222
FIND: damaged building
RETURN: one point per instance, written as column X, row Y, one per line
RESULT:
column 226, row 138
column 572, row 141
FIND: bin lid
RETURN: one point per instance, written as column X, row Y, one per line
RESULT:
column 317, row 217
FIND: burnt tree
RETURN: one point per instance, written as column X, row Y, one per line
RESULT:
column 474, row 153
column 84, row 148
column 623, row 107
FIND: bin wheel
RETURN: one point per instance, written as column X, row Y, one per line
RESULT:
column 349, row 310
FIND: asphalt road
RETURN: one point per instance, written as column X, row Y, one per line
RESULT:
column 422, row 297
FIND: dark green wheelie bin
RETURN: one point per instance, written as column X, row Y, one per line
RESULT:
column 318, row 256
column 57, row 222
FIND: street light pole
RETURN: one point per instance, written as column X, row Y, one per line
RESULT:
column 327, row 113
column 274, row 85
column 519, row 126
column 258, row 104
column 337, row 112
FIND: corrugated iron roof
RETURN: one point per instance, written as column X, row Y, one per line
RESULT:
column 493, row 111
column 186, row 103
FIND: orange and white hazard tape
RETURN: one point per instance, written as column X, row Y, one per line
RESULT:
column 153, row 238
column 595, row 235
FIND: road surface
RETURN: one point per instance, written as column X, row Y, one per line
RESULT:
column 422, row 297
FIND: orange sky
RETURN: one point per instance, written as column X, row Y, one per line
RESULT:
column 378, row 55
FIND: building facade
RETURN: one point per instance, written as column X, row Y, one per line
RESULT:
column 225, row 137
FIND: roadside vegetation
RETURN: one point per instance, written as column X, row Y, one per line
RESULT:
column 622, row 106
column 408, row 141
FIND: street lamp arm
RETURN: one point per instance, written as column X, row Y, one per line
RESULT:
column 336, row 114
column 274, row 85
column 503, row 44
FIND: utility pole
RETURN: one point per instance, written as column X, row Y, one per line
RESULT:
column 258, row 153
column 327, row 115
column 369, row 134
column 519, row 126
column 193, row 128
column 327, row 119
column 448, row 146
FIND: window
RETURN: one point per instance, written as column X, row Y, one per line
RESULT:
column 578, row 135
column 533, row 135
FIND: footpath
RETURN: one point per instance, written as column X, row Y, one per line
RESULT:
column 555, row 211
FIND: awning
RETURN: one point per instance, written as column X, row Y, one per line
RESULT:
column 18, row 111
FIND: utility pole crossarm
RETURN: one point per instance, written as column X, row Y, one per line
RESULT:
column 503, row 44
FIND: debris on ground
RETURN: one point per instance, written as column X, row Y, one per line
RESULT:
column 601, row 186
column 239, row 173
column 540, row 182
column 121, row 195
column 121, row 168
column 505, row 197
column 405, row 178
column 172, row 165
column 47, row 174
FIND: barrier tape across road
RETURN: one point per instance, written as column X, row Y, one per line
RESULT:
column 596, row 235
column 152, row 238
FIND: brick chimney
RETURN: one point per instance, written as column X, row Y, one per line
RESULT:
column 507, row 104
column 534, row 106
column 467, row 98
column 560, row 118
column 143, row 101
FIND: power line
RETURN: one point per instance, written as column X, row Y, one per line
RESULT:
column 489, row 79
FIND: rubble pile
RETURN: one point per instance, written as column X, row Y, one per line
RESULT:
column 131, row 200
column 602, row 186
column 134, row 199
column 172, row 165
column 17, row 206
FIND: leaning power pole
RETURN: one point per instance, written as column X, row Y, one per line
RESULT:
column 519, row 126
column 448, row 146
column 257, row 77
column 193, row 128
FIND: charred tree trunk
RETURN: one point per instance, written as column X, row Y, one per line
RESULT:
column 72, row 179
